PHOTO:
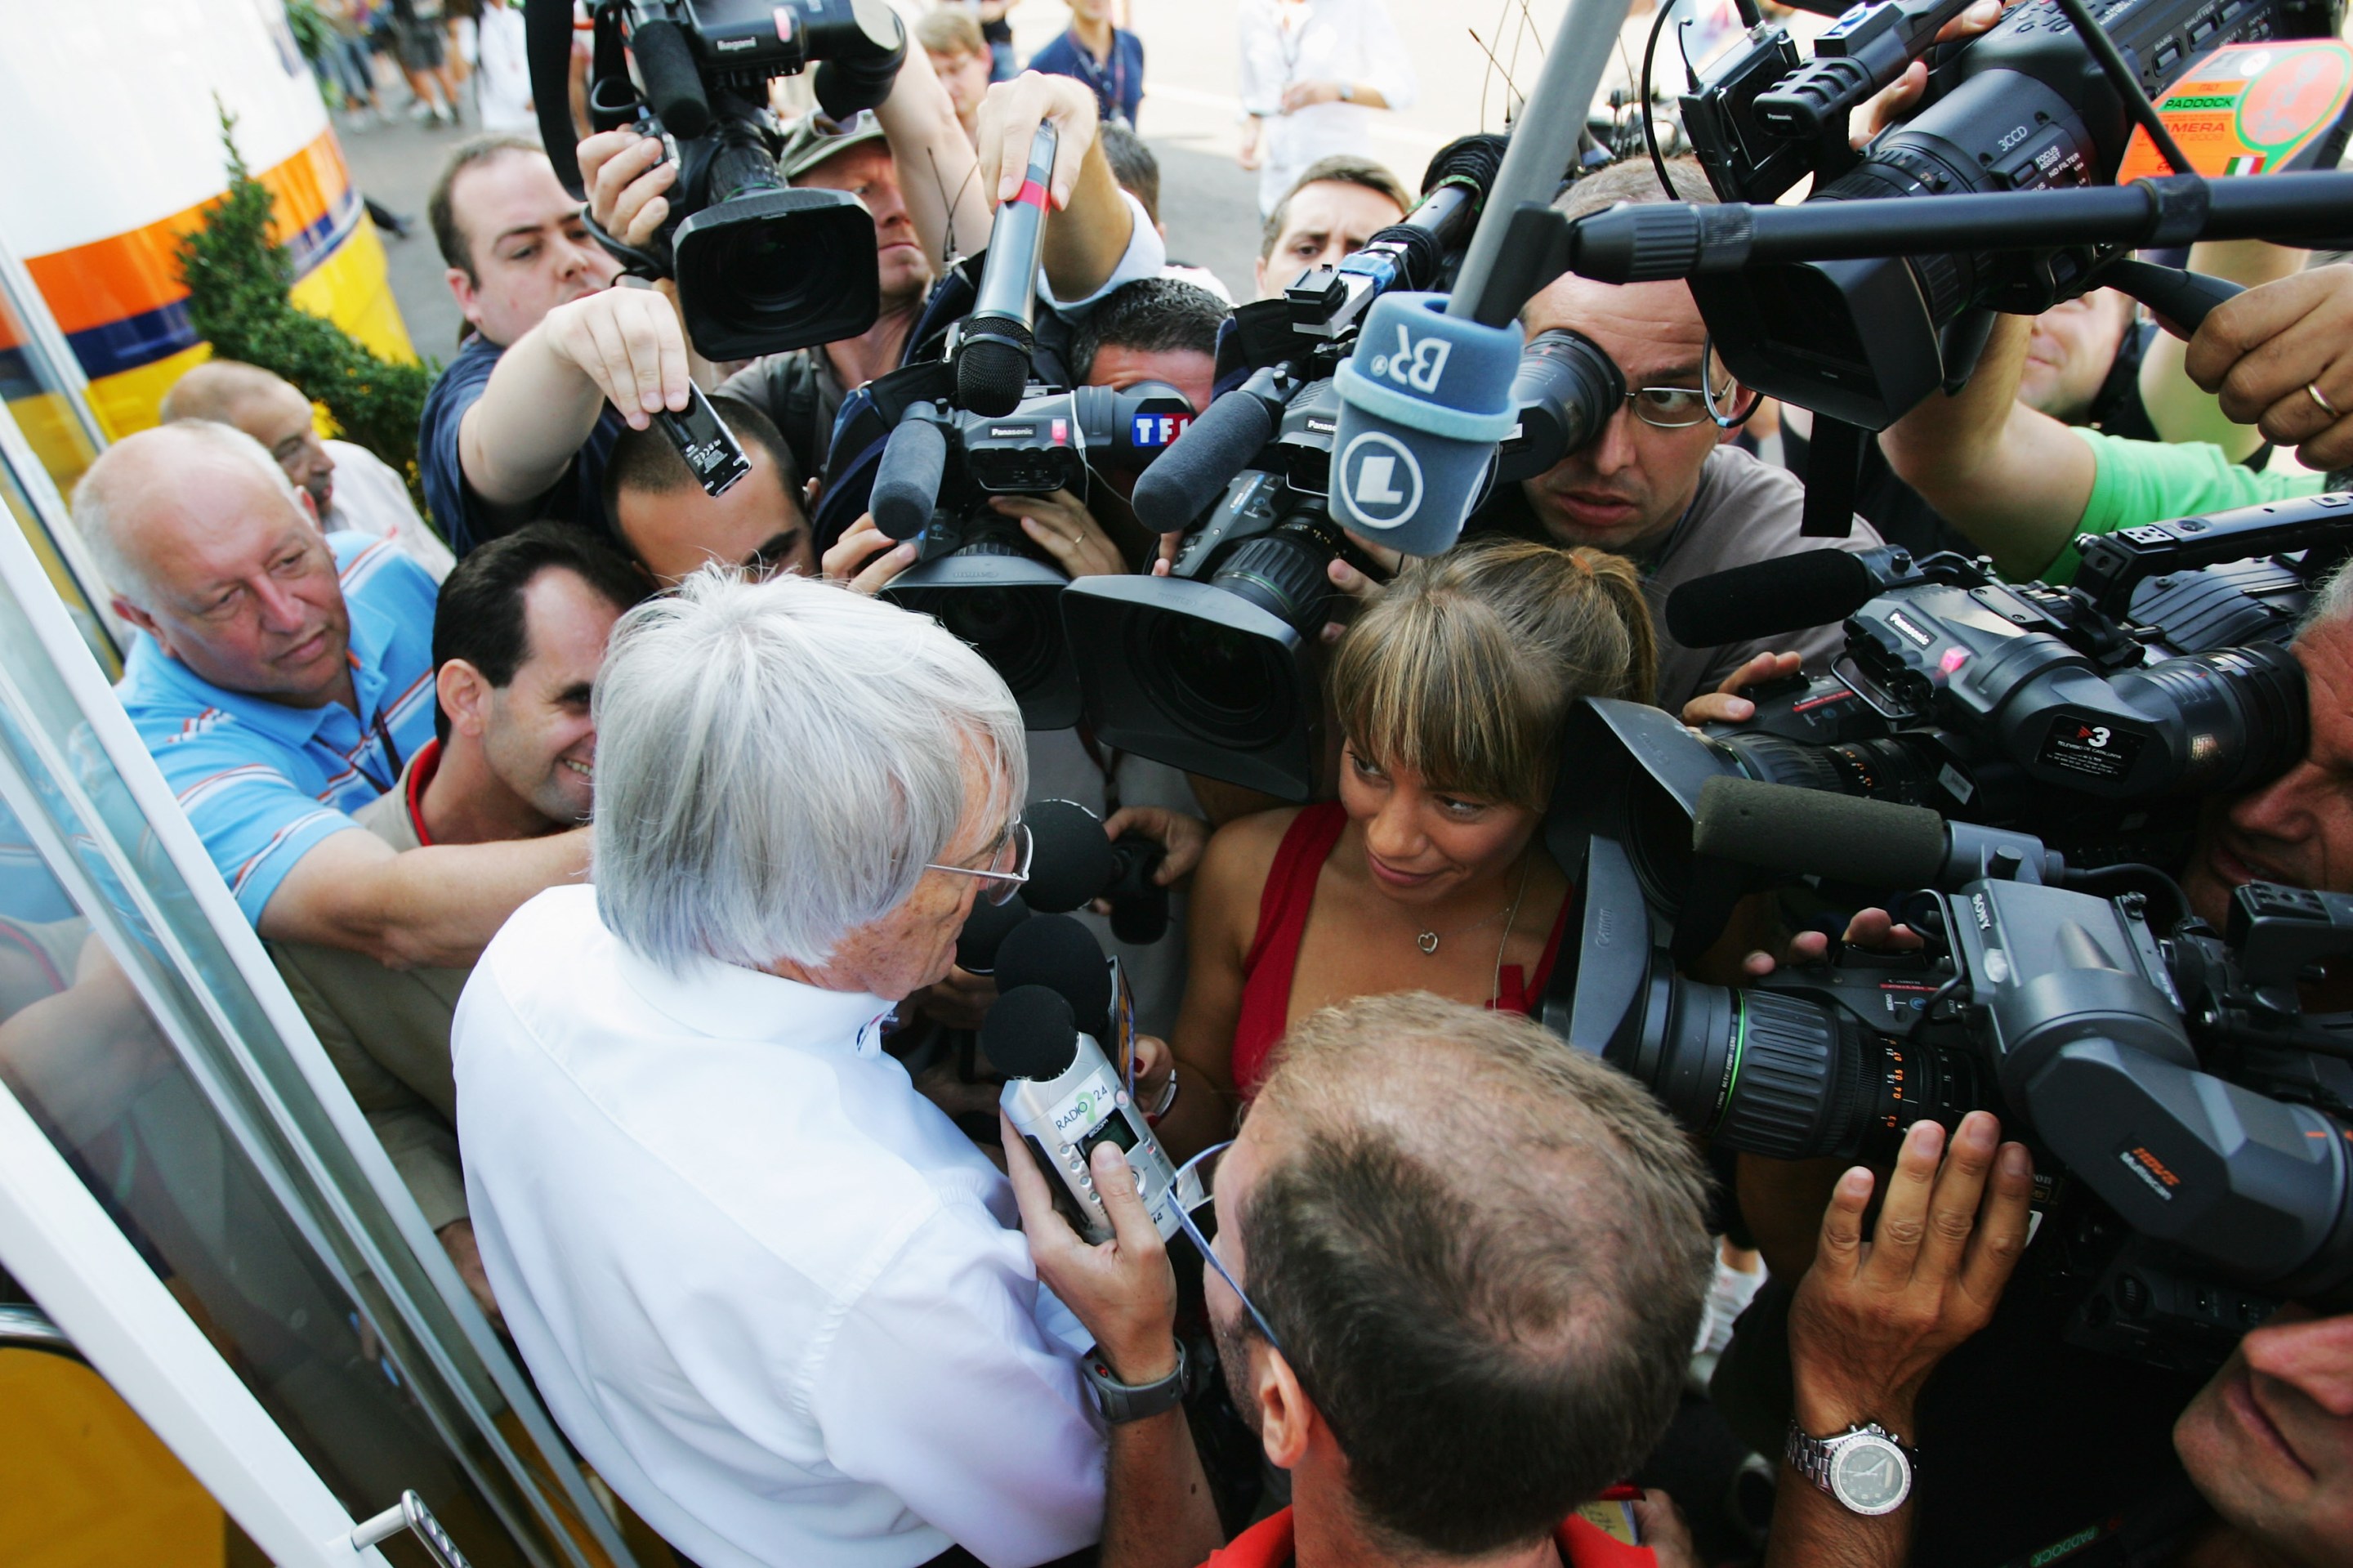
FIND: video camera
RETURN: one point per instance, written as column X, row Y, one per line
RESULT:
column 760, row 268
column 2095, row 717
column 2172, row 1073
column 1218, row 667
column 978, row 573
column 2023, row 107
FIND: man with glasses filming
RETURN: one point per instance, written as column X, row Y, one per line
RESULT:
column 1662, row 483
column 768, row 1291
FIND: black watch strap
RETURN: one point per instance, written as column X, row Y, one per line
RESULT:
column 1124, row 1401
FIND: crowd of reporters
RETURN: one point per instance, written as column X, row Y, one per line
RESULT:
column 670, row 826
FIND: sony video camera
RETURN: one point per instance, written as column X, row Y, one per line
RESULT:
column 978, row 573
column 2023, row 107
column 2096, row 717
column 760, row 268
column 2169, row 1074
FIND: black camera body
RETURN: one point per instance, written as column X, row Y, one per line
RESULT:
column 2023, row 107
column 2204, row 1125
column 2096, row 717
column 760, row 268
column 976, row 571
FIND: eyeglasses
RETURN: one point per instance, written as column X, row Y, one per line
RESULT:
column 1202, row 1171
column 1681, row 408
column 1008, row 867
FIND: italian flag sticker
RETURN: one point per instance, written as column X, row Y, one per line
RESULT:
column 2246, row 164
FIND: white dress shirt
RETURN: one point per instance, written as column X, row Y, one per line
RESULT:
column 1349, row 41
column 774, row 1296
column 370, row 497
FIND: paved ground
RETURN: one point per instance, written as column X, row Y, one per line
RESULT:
column 1190, row 118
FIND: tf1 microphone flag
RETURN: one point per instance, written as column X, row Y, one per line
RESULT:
column 1423, row 402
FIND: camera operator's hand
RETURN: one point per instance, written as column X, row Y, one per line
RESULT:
column 628, row 342
column 1870, row 1319
column 865, row 558
column 1872, row 928
column 1664, row 1531
column 628, row 176
column 1009, row 116
column 1062, row 525
column 1359, row 585
column 1725, row 705
column 1123, row 1290
column 1897, row 100
column 2272, row 356
column 1181, row 834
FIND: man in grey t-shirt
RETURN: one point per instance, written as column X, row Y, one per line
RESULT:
column 1660, row 483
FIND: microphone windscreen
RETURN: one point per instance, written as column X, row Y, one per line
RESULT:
column 673, row 83
column 991, row 373
column 1057, row 952
column 985, row 929
column 1787, row 593
column 907, row 479
column 1874, row 843
column 1027, row 1032
column 1196, row 467
column 1070, row 861
column 1473, row 159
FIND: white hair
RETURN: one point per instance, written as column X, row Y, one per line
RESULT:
column 107, row 518
column 2332, row 603
column 776, row 763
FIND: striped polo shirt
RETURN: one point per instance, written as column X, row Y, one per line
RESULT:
column 263, row 781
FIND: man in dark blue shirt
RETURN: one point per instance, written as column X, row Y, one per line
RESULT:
column 517, row 250
column 1109, row 60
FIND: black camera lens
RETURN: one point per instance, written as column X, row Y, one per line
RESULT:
column 1222, row 685
column 1787, row 1076
column 2243, row 711
column 998, row 596
column 1566, row 391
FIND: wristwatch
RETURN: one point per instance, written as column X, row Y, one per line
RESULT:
column 1863, row 1467
column 1124, row 1401
column 1347, row 93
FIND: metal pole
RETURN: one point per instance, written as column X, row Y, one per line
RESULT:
column 1543, row 139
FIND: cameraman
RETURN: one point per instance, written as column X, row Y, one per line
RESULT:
column 904, row 160
column 2023, row 485
column 1661, row 483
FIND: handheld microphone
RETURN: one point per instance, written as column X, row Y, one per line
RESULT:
column 991, row 355
column 1073, row 864
column 1423, row 402
column 1057, row 952
column 1874, row 843
column 1787, row 593
column 1063, row 1099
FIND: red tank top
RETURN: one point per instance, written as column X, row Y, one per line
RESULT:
column 1273, row 956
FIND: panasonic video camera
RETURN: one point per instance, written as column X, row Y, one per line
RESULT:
column 760, row 268
column 2022, row 107
column 976, row 572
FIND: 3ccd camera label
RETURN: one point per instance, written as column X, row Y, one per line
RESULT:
column 2090, row 745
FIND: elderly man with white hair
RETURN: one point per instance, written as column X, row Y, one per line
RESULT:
column 773, row 1295
column 282, row 678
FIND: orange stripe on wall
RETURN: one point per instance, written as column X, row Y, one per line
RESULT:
column 127, row 274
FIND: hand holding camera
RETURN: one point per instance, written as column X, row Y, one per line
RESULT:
column 627, row 174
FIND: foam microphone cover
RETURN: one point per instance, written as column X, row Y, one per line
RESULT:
column 991, row 373
column 1070, row 861
column 1874, row 843
column 1027, row 1032
column 673, row 83
column 1787, row 593
column 907, row 479
column 984, row 930
column 1187, row 478
column 1423, row 402
column 1057, row 952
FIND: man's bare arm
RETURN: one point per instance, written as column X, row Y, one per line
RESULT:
column 2177, row 406
column 622, row 345
column 2014, row 480
column 939, row 177
column 436, row 907
column 1092, row 223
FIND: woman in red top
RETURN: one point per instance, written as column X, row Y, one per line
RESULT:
column 1429, row 873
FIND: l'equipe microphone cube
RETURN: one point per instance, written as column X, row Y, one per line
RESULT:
column 1423, row 402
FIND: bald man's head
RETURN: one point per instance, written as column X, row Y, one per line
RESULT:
column 209, row 548
column 269, row 407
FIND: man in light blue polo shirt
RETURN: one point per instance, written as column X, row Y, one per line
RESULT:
column 282, row 678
